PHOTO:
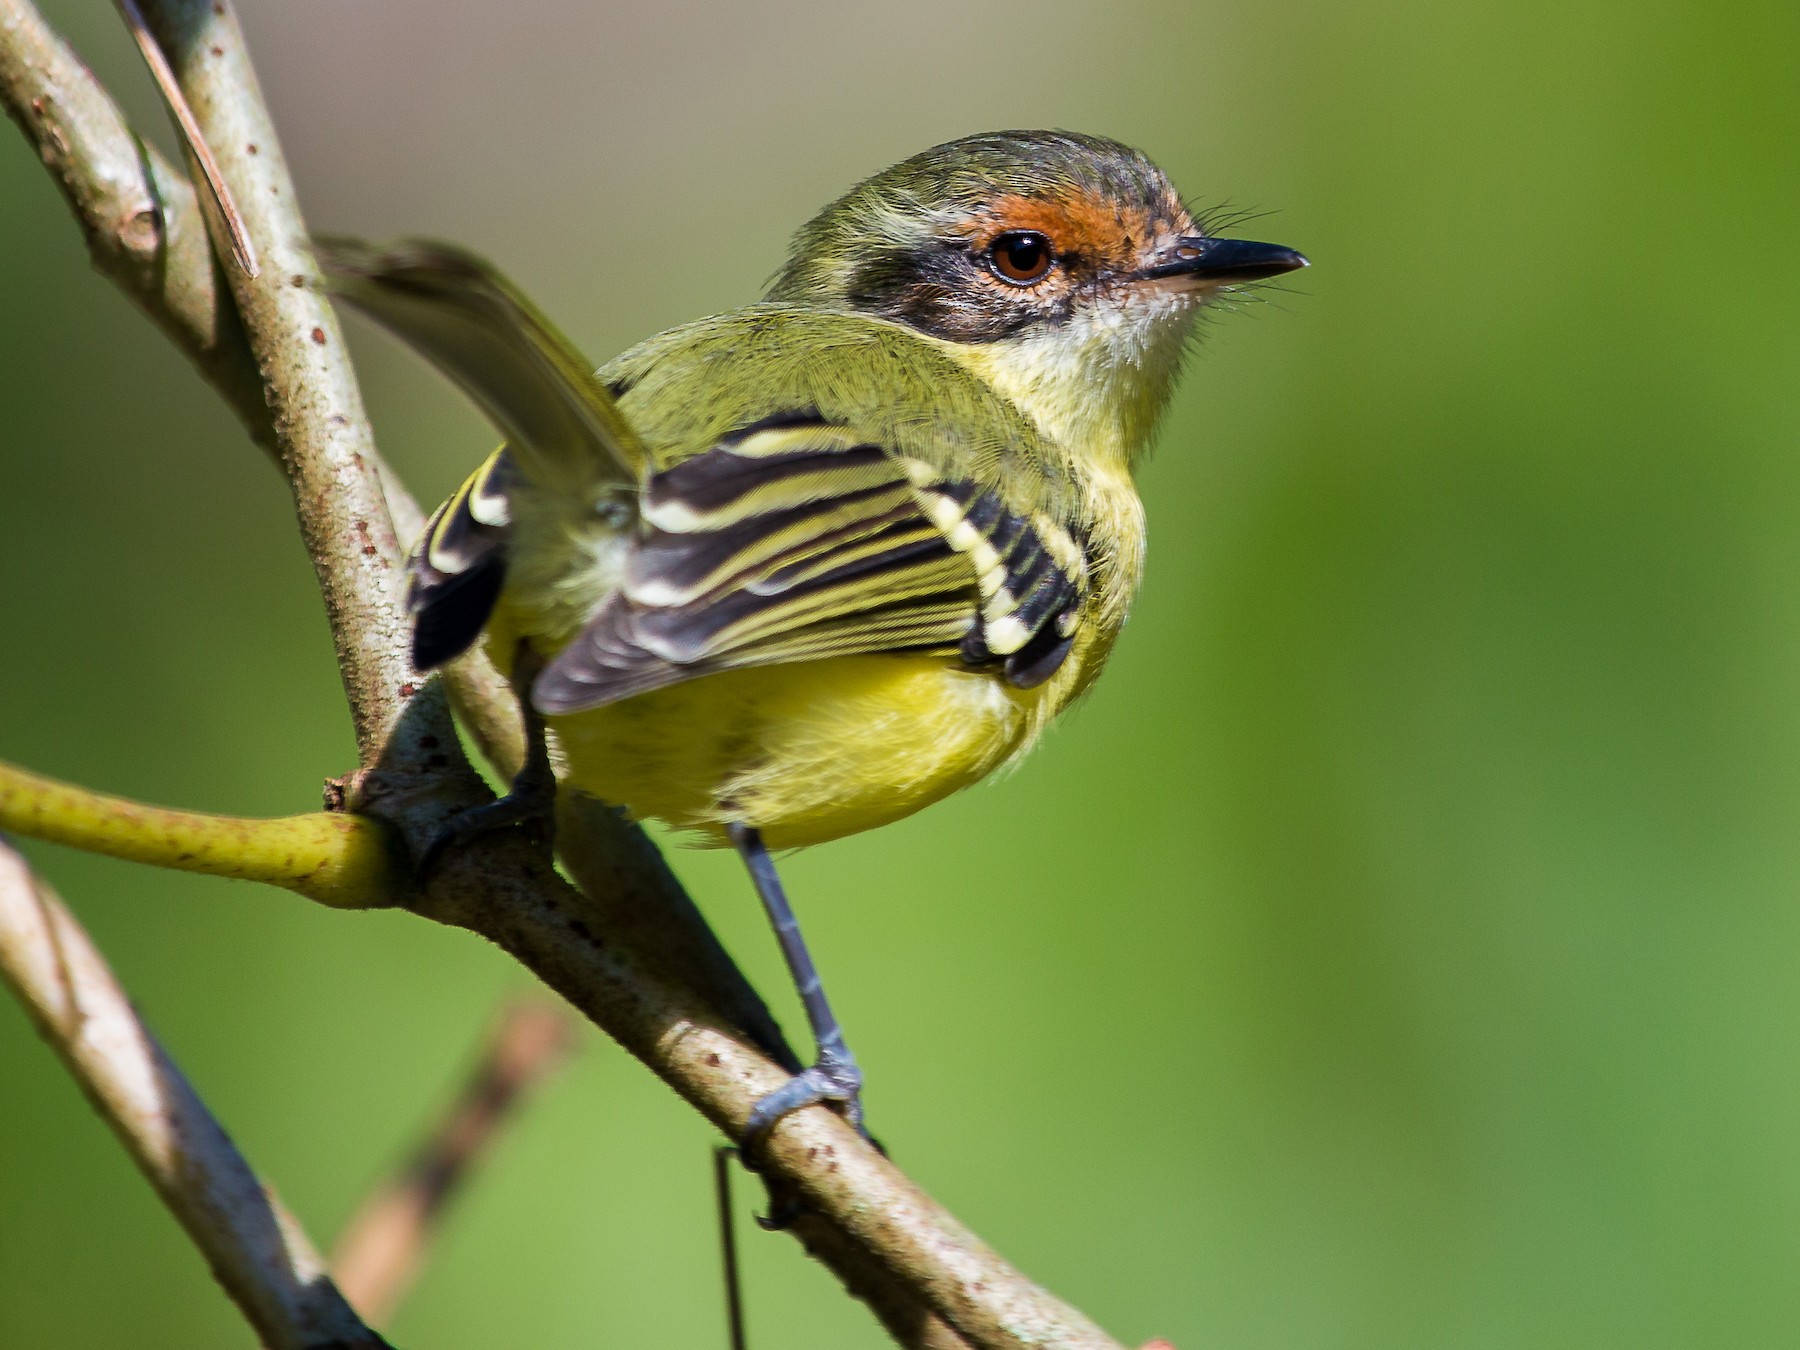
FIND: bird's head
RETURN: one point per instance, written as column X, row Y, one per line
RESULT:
column 1064, row 269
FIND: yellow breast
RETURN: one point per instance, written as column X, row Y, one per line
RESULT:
column 805, row 752
column 811, row 751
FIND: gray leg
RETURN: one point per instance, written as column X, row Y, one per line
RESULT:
column 835, row 1077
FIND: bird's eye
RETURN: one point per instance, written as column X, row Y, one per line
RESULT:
column 1021, row 256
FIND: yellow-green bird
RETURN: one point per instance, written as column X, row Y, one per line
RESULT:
column 802, row 568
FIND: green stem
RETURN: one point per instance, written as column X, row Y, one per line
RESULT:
column 344, row 861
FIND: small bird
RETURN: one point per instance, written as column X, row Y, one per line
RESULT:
column 802, row 568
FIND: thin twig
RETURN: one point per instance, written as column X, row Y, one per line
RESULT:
column 728, row 1254
column 340, row 860
column 224, row 209
column 255, row 1248
column 382, row 1247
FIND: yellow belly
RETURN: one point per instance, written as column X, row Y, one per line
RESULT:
column 805, row 752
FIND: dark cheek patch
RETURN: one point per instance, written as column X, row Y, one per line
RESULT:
column 944, row 291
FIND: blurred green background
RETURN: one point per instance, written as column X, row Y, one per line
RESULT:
column 1400, row 949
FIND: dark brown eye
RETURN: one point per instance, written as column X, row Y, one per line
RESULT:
column 1021, row 256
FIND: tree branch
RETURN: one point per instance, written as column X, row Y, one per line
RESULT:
column 321, row 432
column 383, row 1245
column 138, row 213
column 256, row 1250
column 339, row 860
column 222, row 217
column 891, row 1244
column 617, row 866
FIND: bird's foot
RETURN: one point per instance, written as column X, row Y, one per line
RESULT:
column 530, row 800
column 835, row 1079
column 530, row 803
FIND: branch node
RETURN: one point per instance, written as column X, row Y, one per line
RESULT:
column 140, row 234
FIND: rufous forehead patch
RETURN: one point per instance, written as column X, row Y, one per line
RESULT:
column 1096, row 227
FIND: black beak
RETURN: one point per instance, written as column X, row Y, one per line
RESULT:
column 1223, row 261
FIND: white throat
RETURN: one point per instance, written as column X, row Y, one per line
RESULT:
column 1098, row 383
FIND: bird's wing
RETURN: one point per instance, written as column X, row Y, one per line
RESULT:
column 796, row 537
column 896, row 504
column 467, row 319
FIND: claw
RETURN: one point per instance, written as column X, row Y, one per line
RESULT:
column 835, row 1079
column 530, row 803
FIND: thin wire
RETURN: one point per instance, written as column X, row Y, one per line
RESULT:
column 734, row 1298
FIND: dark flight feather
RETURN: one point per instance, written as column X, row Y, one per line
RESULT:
column 458, row 568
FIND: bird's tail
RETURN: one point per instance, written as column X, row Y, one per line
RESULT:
column 462, row 315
